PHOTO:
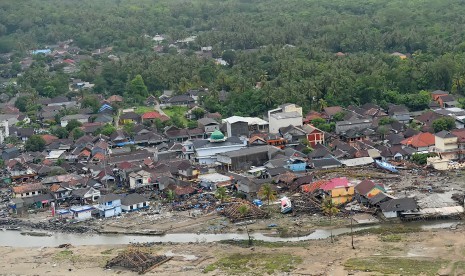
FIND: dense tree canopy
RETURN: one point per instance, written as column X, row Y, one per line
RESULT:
column 278, row 51
column 35, row 143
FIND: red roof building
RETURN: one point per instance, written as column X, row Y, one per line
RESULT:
column 49, row 139
column 421, row 141
column 153, row 115
column 336, row 183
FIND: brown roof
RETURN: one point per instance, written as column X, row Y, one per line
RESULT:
column 26, row 188
column 428, row 116
column 332, row 110
column 460, row 133
column 364, row 187
column 115, row 98
column 49, row 138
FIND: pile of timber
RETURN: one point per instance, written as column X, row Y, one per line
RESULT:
column 137, row 261
column 231, row 211
column 306, row 203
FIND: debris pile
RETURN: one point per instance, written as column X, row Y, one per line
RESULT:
column 306, row 203
column 232, row 211
column 137, row 261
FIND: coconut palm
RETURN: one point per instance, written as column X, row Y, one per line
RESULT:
column 243, row 210
column 170, row 195
column 221, row 194
column 267, row 192
column 330, row 209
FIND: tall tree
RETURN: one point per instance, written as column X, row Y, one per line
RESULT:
column 267, row 192
column 35, row 143
column 244, row 210
column 221, row 194
column 330, row 209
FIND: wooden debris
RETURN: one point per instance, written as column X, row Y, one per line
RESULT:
column 138, row 261
column 231, row 211
column 306, row 203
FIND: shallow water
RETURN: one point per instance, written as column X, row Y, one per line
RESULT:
column 15, row 239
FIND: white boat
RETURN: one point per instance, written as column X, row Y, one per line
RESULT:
column 286, row 205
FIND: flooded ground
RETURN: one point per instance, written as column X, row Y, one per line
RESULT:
column 16, row 239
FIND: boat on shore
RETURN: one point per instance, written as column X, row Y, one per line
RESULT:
column 386, row 166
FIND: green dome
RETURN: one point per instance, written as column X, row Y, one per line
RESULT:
column 217, row 136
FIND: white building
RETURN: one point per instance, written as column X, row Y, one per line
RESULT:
column 214, row 180
column 4, row 131
column 139, row 179
column 204, row 151
column 82, row 212
column 242, row 126
column 133, row 202
column 283, row 116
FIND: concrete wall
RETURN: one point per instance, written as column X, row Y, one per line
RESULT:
column 211, row 128
column 342, row 194
column 446, row 144
column 390, row 214
column 30, row 194
column 135, row 207
column 238, row 129
column 83, row 215
column 276, row 124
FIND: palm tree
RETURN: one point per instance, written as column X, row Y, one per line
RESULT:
column 243, row 210
column 170, row 195
column 330, row 209
column 221, row 194
column 267, row 192
column 322, row 104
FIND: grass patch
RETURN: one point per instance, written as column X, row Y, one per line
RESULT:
column 209, row 268
column 391, row 238
column 65, row 254
column 255, row 264
column 179, row 111
column 257, row 243
column 107, row 252
column 403, row 266
column 458, row 268
column 143, row 109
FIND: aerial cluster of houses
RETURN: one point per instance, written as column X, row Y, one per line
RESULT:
column 106, row 175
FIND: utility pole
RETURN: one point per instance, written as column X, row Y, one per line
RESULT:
column 351, row 228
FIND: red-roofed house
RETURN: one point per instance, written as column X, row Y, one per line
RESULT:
column 340, row 190
column 421, row 142
column 152, row 116
column 311, row 188
column 314, row 135
column 311, row 116
column 49, row 139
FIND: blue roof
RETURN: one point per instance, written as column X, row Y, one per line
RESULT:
column 105, row 107
column 79, row 209
column 122, row 144
column 63, row 211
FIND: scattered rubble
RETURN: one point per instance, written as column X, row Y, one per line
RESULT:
column 231, row 211
column 137, row 261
